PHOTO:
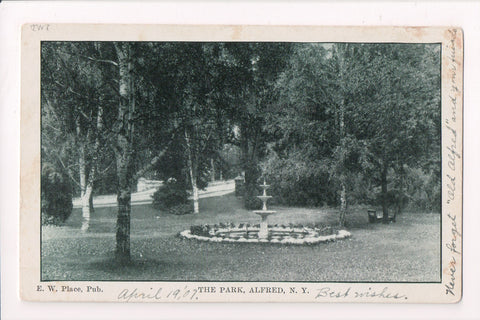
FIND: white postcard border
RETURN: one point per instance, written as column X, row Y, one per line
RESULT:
column 452, row 109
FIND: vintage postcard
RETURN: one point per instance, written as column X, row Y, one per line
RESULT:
column 184, row 163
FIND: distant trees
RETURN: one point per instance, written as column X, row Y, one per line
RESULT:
column 317, row 91
column 356, row 116
column 252, row 70
column 304, row 129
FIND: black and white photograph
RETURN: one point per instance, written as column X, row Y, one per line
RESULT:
column 245, row 168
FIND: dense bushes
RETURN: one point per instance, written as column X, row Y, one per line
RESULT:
column 172, row 197
column 56, row 196
column 423, row 190
column 298, row 182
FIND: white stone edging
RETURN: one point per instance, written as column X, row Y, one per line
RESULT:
column 342, row 234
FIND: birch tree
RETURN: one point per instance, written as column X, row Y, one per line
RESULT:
column 73, row 102
column 89, row 109
column 199, row 116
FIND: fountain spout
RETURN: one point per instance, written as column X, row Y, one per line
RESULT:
column 264, row 213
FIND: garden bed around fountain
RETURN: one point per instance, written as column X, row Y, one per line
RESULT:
column 281, row 234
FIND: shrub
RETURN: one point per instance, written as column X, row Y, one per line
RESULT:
column 421, row 191
column 171, row 194
column 56, row 196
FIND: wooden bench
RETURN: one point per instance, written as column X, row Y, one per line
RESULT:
column 374, row 216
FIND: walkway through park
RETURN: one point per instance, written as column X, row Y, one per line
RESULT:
column 215, row 189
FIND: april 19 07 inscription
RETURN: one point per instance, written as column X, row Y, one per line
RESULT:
column 187, row 293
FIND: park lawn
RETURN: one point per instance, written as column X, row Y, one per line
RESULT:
column 406, row 251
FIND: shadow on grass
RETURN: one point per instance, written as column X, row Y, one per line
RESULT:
column 132, row 269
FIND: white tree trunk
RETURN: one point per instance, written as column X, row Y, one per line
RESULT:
column 192, row 171
column 195, row 195
column 83, row 189
column 86, row 192
column 86, row 183
column 86, row 207
column 212, row 164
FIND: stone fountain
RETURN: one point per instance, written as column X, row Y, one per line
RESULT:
column 244, row 233
column 264, row 213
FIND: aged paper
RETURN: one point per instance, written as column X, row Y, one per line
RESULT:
column 63, row 263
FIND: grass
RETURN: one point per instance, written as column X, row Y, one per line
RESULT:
column 406, row 251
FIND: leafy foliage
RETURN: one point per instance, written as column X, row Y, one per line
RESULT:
column 77, row 100
column 253, row 69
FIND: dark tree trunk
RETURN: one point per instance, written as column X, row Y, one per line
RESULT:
column 384, row 193
column 343, row 178
column 252, row 173
column 122, row 252
column 124, row 173
column 400, row 203
column 343, row 174
column 124, row 151
column 251, row 189
column 90, row 203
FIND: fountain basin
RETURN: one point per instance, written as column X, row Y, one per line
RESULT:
column 264, row 212
column 264, row 198
column 264, row 233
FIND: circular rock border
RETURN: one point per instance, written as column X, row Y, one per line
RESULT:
column 217, row 234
